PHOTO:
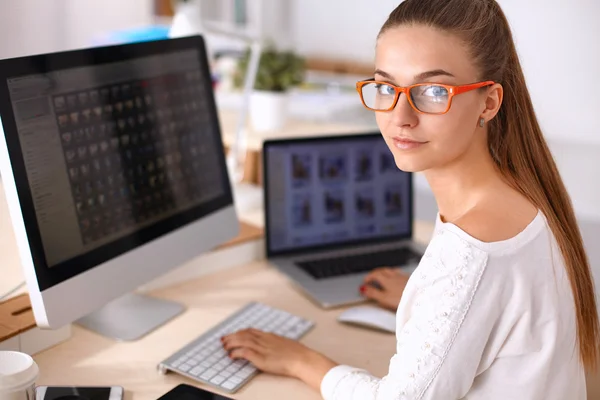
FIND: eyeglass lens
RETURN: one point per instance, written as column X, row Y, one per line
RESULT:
column 426, row 98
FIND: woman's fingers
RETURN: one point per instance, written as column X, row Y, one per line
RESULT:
column 247, row 354
column 390, row 272
column 378, row 276
column 373, row 293
column 372, row 276
column 245, row 339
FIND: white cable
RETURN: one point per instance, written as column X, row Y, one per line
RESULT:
column 11, row 291
column 240, row 143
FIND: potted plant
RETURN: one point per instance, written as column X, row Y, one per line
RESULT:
column 278, row 71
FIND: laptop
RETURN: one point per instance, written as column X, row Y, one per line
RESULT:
column 336, row 207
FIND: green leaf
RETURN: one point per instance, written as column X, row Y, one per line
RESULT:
column 278, row 71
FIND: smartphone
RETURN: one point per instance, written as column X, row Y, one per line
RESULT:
column 78, row 392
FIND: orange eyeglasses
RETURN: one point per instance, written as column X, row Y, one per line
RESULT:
column 425, row 98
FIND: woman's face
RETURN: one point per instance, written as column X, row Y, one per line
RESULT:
column 417, row 54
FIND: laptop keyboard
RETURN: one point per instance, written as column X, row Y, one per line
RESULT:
column 358, row 263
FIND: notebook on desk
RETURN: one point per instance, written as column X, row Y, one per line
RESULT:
column 336, row 207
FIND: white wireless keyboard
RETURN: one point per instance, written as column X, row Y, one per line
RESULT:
column 205, row 360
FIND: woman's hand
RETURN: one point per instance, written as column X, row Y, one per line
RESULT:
column 278, row 355
column 385, row 286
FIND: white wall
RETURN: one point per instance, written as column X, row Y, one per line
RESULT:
column 38, row 26
column 579, row 165
column 558, row 42
column 29, row 26
column 343, row 29
column 89, row 19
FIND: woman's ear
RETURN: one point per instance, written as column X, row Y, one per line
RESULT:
column 493, row 101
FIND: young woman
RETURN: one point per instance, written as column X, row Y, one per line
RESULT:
column 502, row 305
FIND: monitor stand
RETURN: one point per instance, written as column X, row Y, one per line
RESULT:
column 131, row 317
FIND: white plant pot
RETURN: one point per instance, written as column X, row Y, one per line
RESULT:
column 268, row 110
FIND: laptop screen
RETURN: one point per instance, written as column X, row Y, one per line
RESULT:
column 334, row 191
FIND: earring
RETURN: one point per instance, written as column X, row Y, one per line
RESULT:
column 481, row 122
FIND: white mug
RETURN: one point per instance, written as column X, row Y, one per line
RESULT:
column 18, row 373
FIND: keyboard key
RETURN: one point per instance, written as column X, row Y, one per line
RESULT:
column 236, row 379
column 233, row 368
column 228, row 385
column 220, row 353
column 197, row 371
column 220, row 366
column 208, row 374
column 225, row 360
column 217, row 380
column 185, row 367
column 176, row 363
column 244, row 374
column 226, row 374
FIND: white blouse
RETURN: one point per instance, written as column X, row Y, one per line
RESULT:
column 479, row 321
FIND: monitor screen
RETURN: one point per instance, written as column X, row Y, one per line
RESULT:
column 118, row 146
column 334, row 191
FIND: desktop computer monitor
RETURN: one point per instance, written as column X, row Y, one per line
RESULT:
column 114, row 172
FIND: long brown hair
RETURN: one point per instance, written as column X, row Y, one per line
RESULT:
column 515, row 139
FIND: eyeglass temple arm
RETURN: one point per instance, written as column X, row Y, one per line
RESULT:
column 468, row 88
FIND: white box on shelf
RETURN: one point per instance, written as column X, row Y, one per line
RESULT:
column 19, row 332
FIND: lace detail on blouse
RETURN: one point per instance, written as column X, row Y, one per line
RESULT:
column 435, row 302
